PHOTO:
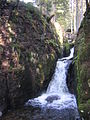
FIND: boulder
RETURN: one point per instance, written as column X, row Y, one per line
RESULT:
column 29, row 48
column 51, row 98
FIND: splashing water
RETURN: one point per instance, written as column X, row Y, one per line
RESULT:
column 57, row 95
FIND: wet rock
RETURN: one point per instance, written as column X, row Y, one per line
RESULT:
column 37, row 114
column 0, row 114
column 71, row 83
column 50, row 99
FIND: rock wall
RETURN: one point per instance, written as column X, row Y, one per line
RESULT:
column 82, row 62
column 29, row 49
column 71, row 82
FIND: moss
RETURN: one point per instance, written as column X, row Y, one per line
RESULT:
column 1, row 49
column 83, row 106
column 53, row 43
column 31, row 60
column 33, row 9
column 82, row 51
column 89, row 82
column 67, row 45
column 52, row 57
column 82, row 55
column 88, row 49
column 29, row 16
column 88, row 101
column 14, row 17
column 45, row 70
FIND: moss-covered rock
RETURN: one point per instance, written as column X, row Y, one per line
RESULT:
column 29, row 49
column 82, row 52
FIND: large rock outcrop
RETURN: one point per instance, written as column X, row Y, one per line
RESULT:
column 82, row 61
column 29, row 49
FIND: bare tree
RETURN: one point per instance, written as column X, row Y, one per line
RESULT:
column 72, row 10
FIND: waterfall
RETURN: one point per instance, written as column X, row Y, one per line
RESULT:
column 57, row 95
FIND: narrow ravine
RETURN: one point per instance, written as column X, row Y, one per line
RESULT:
column 57, row 96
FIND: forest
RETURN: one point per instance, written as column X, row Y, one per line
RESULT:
column 44, row 59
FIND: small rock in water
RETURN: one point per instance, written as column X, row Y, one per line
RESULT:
column 0, row 114
column 50, row 99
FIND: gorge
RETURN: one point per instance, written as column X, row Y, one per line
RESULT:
column 39, row 80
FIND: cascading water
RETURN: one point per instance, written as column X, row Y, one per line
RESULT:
column 57, row 95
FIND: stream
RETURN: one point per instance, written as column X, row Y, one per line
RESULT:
column 57, row 103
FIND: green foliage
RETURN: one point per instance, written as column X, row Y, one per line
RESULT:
column 32, row 9
column 14, row 17
column 29, row 16
column 67, row 46
column 62, row 12
column 16, row 47
column 52, row 42
column 1, row 49
column 84, row 106
column 58, row 7
column 49, row 6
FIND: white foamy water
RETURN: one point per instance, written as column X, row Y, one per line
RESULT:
column 57, row 95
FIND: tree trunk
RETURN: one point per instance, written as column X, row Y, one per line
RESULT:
column 86, row 3
column 76, row 18
column 72, row 10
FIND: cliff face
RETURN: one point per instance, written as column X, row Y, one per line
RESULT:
column 82, row 60
column 29, row 49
